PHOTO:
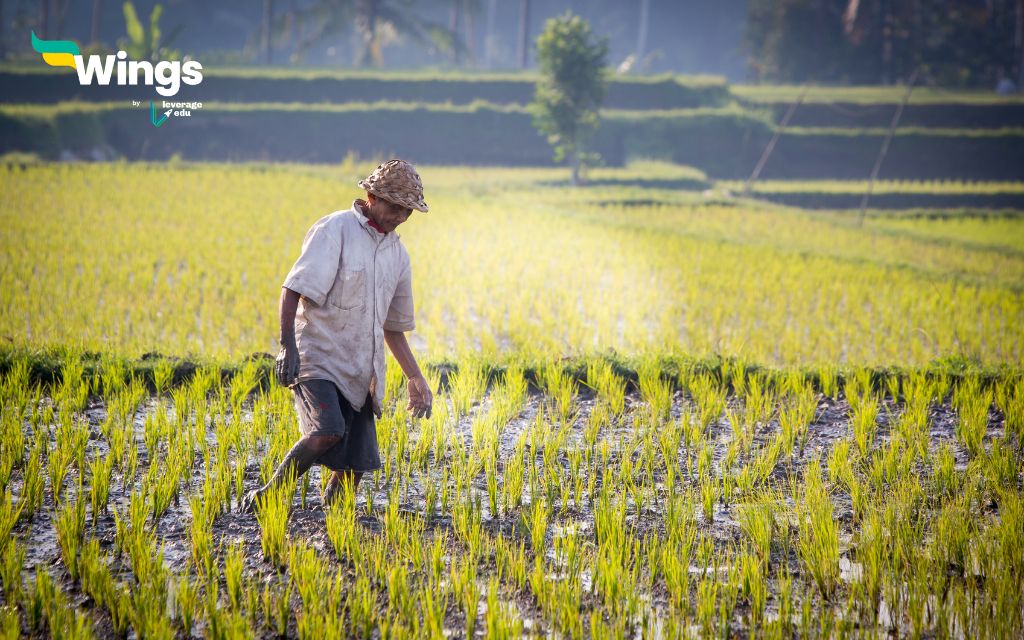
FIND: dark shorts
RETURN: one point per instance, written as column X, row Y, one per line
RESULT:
column 324, row 411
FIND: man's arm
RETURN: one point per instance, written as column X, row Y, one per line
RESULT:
column 289, row 304
column 420, row 397
column 287, row 367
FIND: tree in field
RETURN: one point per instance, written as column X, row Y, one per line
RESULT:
column 571, row 87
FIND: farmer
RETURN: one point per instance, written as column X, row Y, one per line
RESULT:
column 349, row 292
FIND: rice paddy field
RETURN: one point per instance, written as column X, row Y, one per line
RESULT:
column 661, row 411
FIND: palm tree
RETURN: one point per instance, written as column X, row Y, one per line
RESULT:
column 462, row 18
column 326, row 20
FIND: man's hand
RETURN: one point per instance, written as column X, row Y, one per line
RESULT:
column 287, row 368
column 421, row 400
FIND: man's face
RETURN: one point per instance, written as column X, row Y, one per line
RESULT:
column 388, row 214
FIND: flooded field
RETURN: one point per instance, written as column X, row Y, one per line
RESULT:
column 673, row 499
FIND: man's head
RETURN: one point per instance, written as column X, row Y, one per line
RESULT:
column 386, row 214
column 397, row 184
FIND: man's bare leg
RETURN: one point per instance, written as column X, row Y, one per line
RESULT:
column 334, row 487
column 298, row 460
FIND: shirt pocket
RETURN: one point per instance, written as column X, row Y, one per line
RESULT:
column 349, row 290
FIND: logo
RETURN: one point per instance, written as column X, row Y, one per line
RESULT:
column 158, row 122
column 166, row 75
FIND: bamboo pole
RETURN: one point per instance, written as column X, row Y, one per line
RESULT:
column 775, row 138
column 885, row 147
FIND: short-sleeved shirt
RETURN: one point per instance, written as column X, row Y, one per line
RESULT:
column 355, row 282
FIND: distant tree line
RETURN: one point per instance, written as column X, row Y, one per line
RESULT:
column 644, row 35
column 300, row 25
column 949, row 42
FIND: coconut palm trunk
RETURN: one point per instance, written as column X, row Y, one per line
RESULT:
column 524, row 32
column 641, row 36
column 94, row 30
column 268, row 17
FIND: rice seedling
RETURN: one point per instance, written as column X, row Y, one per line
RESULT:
column 466, row 591
column 38, row 598
column 96, row 578
column 161, row 487
column 609, row 386
column 465, row 386
column 272, row 511
column 69, row 524
column 239, row 476
column 501, row 621
column 32, row 486
column 60, row 463
column 186, row 601
column 818, row 539
column 12, row 558
column 491, row 474
column 709, row 394
column 310, row 576
column 201, row 536
column 12, row 454
column 972, row 404
column 10, row 626
column 755, row 587
column 759, row 400
column 1001, row 465
column 1010, row 399
column 233, row 574
column 865, row 414
column 131, row 465
column 433, row 605
column 708, row 497
column 764, row 463
column 757, row 521
column 341, row 524
column 8, row 517
column 828, row 381
column 560, row 389
column 100, row 471
column 242, row 383
column 655, row 391
column 675, row 568
column 707, row 596
column 275, row 607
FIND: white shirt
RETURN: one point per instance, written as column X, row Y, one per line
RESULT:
column 355, row 282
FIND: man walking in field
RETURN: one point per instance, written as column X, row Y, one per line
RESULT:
column 349, row 292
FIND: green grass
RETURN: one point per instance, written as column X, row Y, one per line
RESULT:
column 423, row 75
column 943, row 187
column 870, row 95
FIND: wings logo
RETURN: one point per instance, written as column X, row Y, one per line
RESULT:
column 167, row 75
column 57, row 53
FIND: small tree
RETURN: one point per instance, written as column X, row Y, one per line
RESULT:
column 571, row 88
column 146, row 44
